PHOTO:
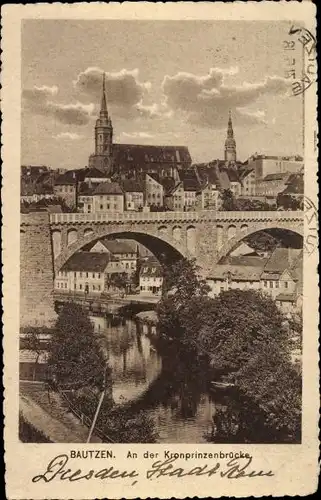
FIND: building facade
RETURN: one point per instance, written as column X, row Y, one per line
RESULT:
column 264, row 165
column 123, row 252
column 150, row 278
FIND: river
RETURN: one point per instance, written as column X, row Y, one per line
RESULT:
column 154, row 378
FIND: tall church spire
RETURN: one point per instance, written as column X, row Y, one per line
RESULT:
column 103, row 106
column 230, row 144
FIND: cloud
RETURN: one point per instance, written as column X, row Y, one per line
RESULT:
column 205, row 100
column 72, row 136
column 137, row 135
column 38, row 101
column 125, row 92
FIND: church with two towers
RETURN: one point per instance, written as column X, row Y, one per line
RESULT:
column 132, row 160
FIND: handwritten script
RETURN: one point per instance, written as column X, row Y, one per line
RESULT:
column 60, row 469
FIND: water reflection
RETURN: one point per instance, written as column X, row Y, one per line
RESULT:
column 132, row 358
column 172, row 387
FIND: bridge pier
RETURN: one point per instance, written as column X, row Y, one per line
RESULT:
column 36, row 271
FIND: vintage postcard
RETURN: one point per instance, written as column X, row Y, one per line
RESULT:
column 160, row 250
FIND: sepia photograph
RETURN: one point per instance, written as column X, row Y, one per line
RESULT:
column 161, row 232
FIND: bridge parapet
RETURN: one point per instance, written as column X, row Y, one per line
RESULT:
column 201, row 216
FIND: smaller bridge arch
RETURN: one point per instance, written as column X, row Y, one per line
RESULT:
column 72, row 236
column 241, row 234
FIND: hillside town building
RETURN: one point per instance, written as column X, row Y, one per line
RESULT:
column 120, row 251
column 150, row 277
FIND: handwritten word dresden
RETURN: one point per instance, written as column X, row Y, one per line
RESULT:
column 59, row 469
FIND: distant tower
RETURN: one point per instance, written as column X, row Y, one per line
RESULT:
column 103, row 128
column 230, row 144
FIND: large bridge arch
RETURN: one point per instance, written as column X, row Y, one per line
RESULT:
column 244, row 232
column 165, row 248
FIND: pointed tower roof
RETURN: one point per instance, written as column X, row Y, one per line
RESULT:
column 230, row 144
column 230, row 132
column 103, row 106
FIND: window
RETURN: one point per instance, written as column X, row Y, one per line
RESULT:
column 265, row 283
column 94, row 288
column 286, row 284
column 58, row 284
column 65, row 285
column 89, row 208
column 276, row 284
column 93, row 275
column 107, row 206
column 75, row 274
column 86, row 275
column 127, row 265
column 101, row 207
column 80, row 274
column 75, row 286
column 99, row 288
column 98, row 275
column 271, row 284
column 80, row 287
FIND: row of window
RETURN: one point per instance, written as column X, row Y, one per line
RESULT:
column 85, row 287
column 275, row 284
column 150, row 288
column 108, row 206
column 65, row 189
column 80, row 274
column 150, row 279
column 153, row 195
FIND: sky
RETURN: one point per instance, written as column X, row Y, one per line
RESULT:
column 167, row 82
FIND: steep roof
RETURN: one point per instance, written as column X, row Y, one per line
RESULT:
column 151, row 267
column 69, row 178
column 118, row 247
column 283, row 258
column 144, row 155
column 87, row 261
column 132, row 186
column 108, row 188
column 276, row 177
column 283, row 297
column 295, row 185
column 94, row 173
column 246, row 260
column 168, row 184
column 238, row 273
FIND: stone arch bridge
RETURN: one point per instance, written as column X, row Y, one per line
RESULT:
column 49, row 240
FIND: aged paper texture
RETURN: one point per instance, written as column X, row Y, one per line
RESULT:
column 160, row 250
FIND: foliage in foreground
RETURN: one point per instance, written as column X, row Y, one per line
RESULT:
column 117, row 423
column 75, row 353
column 243, row 335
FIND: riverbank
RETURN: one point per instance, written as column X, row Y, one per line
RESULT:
column 51, row 417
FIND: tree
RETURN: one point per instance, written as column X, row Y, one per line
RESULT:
column 237, row 321
column 33, row 343
column 119, row 280
column 228, row 200
column 262, row 242
column 182, row 287
column 75, row 355
column 253, row 205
